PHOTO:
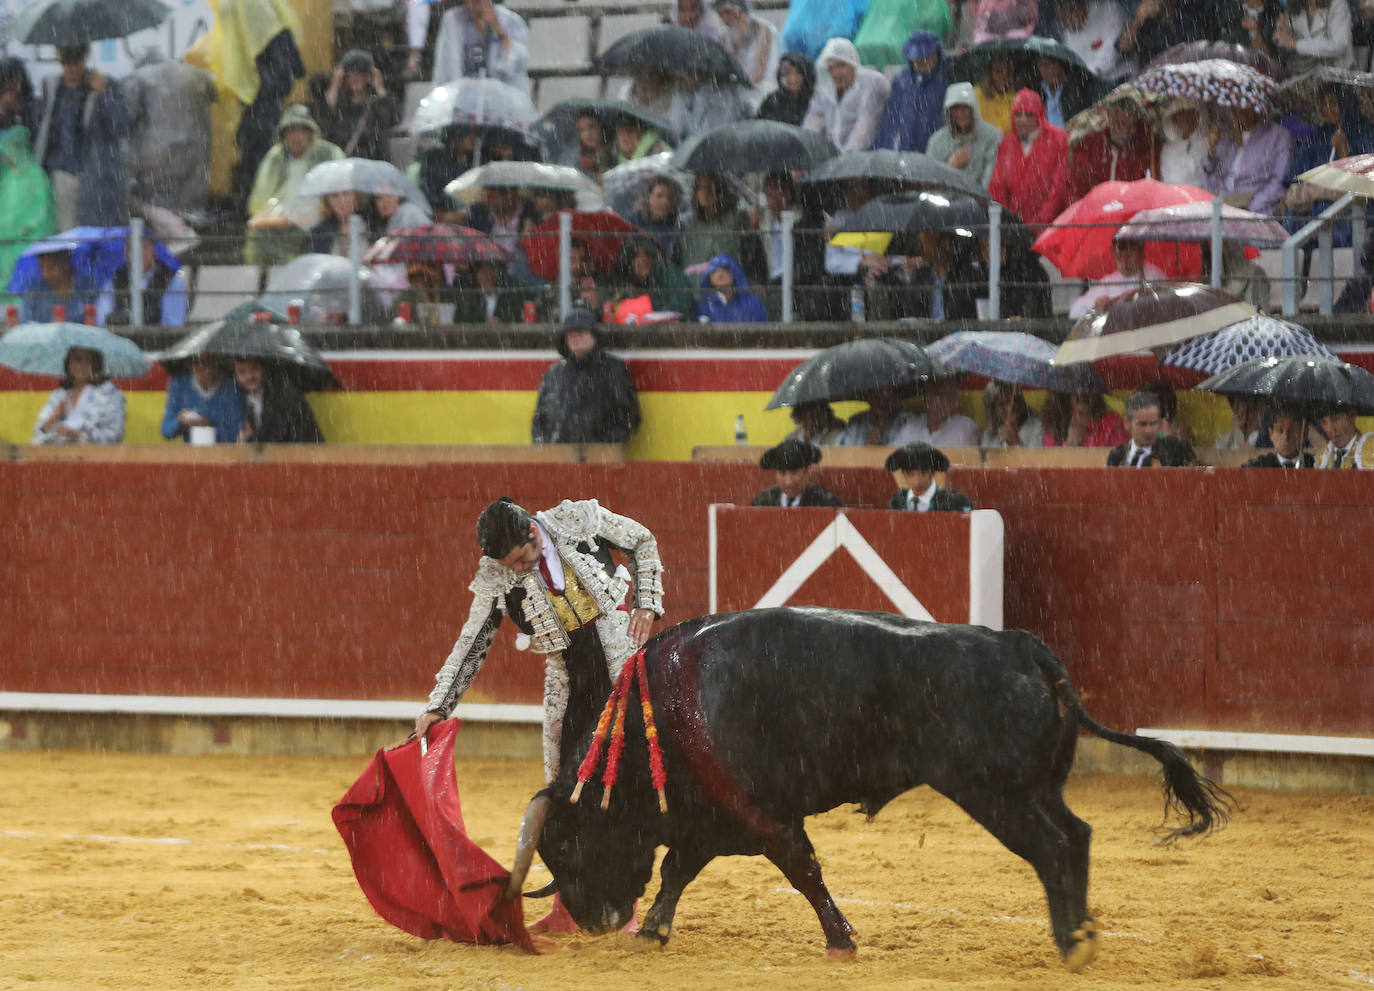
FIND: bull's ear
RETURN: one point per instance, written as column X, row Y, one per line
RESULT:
column 544, row 892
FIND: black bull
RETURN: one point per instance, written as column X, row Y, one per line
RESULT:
column 768, row 716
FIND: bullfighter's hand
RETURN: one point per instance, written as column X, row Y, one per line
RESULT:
column 640, row 621
column 422, row 724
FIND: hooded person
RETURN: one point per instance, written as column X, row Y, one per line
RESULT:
column 1031, row 177
column 850, row 99
column 1124, row 152
column 1183, row 148
column 966, row 142
column 889, row 25
column 640, row 270
column 357, row 112
column 913, row 468
column 915, row 108
column 589, row 397
column 169, row 141
column 27, row 211
column 299, row 148
column 796, row 79
column 791, row 461
column 726, row 297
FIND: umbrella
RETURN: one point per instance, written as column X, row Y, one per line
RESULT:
column 1258, row 337
column 1094, row 119
column 626, row 185
column 671, row 48
column 360, row 175
column 97, row 253
column 1148, row 317
column 1215, row 81
column 1347, row 175
column 1299, row 380
column 1011, row 356
column 908, row 214
column 902, row 169
column 403, row 826
column 467, row 188
column 1085, row 252
column 753, row 146
column 970, row 66
column 1201, row 51
column 854, row 368
column 320, row 284
column 603, row 231
column 489, row 106
column 79, row 22
column 435, row 244
column 1193, row 222
column 282, row 348
column 558, row 127
column 1302, row 94
column 41, row 349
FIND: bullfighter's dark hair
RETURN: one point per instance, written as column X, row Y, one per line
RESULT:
column 502, row 527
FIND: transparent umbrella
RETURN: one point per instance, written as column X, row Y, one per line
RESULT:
column 320, row 284
column 489, row 106
column 359, row 175
column 467, row 188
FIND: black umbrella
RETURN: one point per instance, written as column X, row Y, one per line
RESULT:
column 854, row 368
column 1306, row 381
column 753, row 146
column 558, row 127
column 251, row 331
column 79, row 22
column 916, row 212
column 671, row 48
column 970, row 66
column 892, row 171
column 1199, row 51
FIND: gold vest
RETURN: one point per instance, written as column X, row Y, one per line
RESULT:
column 575, row 607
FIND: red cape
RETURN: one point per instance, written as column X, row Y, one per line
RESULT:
column 403, row 827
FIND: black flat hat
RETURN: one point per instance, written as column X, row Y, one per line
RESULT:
column 917, row 457
column 790, row 455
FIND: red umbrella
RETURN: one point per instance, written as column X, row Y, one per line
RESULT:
column 403, row 827
column 1086, row 252
column 436, row 244
column 602, row 230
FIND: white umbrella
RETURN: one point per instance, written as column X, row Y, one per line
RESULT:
column 477, row 103
column 359, row 175
column 467, row 188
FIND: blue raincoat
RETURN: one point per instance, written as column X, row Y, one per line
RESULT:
column 811, row 23
column 916, row 106
column 742, row 306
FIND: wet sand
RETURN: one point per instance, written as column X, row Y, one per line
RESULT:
column 140, row 871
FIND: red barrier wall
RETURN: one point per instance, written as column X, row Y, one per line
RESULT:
column 1219, row 598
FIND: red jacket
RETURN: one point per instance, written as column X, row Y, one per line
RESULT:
column 1091, row 160
column 1034, row 185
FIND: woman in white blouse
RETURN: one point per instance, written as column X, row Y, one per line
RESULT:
column 85, row 408
column 1316, row 33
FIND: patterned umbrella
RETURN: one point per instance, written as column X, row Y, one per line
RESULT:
column 1198, row 51
column 1347, row 175
column 1094, row 119
column 1150, row 317
column 1214, row 81
column 1259, row 337
column 1011, row 356
column 436, row 244
column 1302, row 94
column 1302, row 380
column 1193, row 222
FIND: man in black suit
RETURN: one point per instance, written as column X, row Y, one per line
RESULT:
column 1286, row 432
column 1147, row 447
column 914, row 468
column 273, row 411
column 792, row 461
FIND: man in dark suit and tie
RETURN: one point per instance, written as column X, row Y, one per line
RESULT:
column 914, row 468
column 1286, row 431
column 792, row 461
column 273, row 411
column 1147, row 447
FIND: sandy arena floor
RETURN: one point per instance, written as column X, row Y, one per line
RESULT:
column 133, row 871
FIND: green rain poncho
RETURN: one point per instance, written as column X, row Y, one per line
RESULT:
column 889, row 23
column 27, row 213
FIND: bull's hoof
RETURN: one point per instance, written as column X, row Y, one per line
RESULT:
column 842, row 952
column 1083, row 949
column 654, row 935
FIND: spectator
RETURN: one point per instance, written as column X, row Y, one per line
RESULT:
column 1172, row 423
column 330, row 236
column 640, row 270
column 203, row 397
column 85, row 408
column 915, row 106
column 1184, row 150
column 1286, row 431
column 17, row 107
column 841, row 260
column 274, row 412
column 701, row 104
column 1132, row 271
column 169, row 140
column 441, row 163
column 1345, row 447
column 966, row 142
column 633, row 140
column 752, row 40
column 796, row 79
column 83, row 123
column 1023, row 285
column 888, row 24
column 1316, row 33
column 164, row 291
column 1247, row 161
column 594, row 153
column 1065, row 95
column 779, row 196
column 1148, row 446
column 649, row 90
column 1081, row 419
column 1241, row 277
column 942, row 423
column 849, row 101
column 396, row 214
column 427, row 294
column 589, row 397
column 717, row 225
column 1004, row 19
column 299, row 149
column 935, row 283
column 1031, row 175
column 661, row 216
column 1010, row 421
column 503, row 215
column 886, row 421
column 27, row 213
column 996, row 91
column 811, row 24
column 480, row 38
column 487, row 294
column 1090, row 29
column 1245, row 425
column 357, row 112
column 1260, row 20
column 913, row 469
column 59, row 284
column 1340, row 133
column 816, row 423
column 791, row 462
column 693, row 15
column 726, row 296
column 1124, row 152
column 1158, row 25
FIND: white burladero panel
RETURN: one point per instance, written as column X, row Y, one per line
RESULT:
column 986, row 548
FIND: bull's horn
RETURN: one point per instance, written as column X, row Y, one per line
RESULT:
column 530, row 828
column 544, row 892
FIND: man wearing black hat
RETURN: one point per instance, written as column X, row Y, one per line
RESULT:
column 589, row 397
column 914, row 468
column 357, row 112
column 792, row 460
